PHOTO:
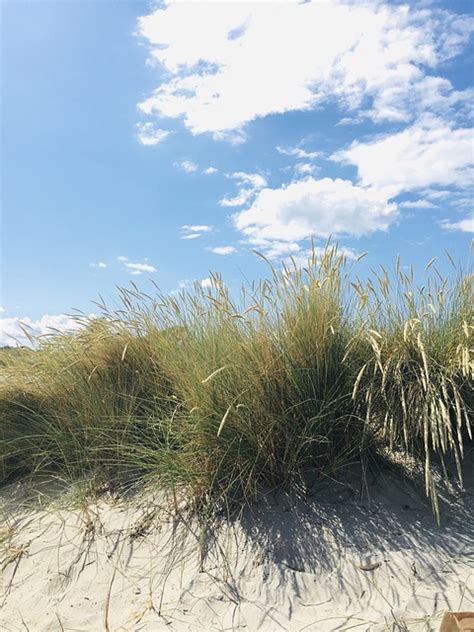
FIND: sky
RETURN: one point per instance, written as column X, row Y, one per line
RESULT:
column 163, row 140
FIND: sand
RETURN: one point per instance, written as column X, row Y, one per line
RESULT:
column 330, row 562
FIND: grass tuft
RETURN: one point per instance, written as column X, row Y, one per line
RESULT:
column 214, row 398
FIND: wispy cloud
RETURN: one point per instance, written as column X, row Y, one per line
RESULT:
column 193, row 231
column 299, row 153
column 248, row 183
column 224, row 250
column 188, row 166
column 98, row 264
column 137, row 267
column 417, row 204
column 306, row 168
column 464, row 225
column 149, row 134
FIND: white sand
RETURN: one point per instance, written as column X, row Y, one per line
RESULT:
column 286, row 565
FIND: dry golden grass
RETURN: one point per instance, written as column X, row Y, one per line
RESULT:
column 216, row 398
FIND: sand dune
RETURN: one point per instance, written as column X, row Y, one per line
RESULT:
column 331, row 562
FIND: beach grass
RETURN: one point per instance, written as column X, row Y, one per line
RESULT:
column 218, row 398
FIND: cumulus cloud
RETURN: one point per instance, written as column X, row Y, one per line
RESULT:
column 428, row 153
column 224, row 250
column 373, row 57
column 148, row 134
column 210, row 171
column 317, row 208
column 188, row 166
column 464, row 225
column 99, row 264
column 12, row 330
column 206, row 283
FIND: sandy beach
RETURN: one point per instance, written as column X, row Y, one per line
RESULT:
column 329, row 562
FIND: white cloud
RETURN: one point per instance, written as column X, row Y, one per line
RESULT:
column 274, row 249
column 198, row 228
column 2, row 310
column 254, row 180
column 224, row 250
column 136, row 268
column 206, row 283
column 428, row 153
column 317, row 208
column 435, row 194
column 417, row 204
column 148, row 134
column 249, row 184
column 295, row 55
column 99, row 264
column 464, row 225
column 306, row 168
column 464, row 202
column 188, row 166
column 210, row 170
column 238, row 200
column 193, row 231
column 122, row 258
column 191, row 236
column 302, row 154
column 12, row 329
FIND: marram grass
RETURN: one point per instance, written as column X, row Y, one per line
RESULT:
column 215, row 398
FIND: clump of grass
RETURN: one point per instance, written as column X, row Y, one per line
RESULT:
column 416, row 374
column 213, row 397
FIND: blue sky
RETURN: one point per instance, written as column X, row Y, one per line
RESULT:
column 163, row 140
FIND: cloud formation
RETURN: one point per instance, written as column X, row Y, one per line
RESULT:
column 372, row 58
column 382, row 64
column 224, row 250
column 193, row 231
column 248, row 183
column 430, row 152
column 148, row 134
column 136, row 267
column 464, row 225
column 188, row 166
column 318, row 208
